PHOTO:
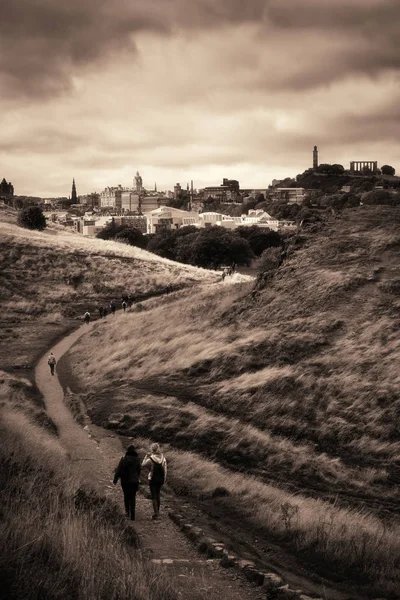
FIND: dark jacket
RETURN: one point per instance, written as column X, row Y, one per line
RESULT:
column 128, row 469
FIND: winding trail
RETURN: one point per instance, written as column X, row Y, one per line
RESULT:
column 94, row 454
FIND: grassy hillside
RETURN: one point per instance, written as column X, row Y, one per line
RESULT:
column 295, row 384
column 49, row 279
column 58, row 541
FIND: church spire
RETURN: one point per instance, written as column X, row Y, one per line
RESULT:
column 74, row 197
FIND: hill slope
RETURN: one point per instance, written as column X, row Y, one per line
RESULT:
column 296, row 384
column 54, row 521
column 48, row 278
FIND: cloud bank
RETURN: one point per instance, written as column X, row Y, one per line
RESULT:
column 201, row 90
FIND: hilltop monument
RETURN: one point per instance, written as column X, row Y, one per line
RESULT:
column 315, row 158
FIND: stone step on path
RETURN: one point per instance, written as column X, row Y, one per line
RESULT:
column 94, row 456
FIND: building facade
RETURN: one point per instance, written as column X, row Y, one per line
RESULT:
column 168, row 218
column 291, row 195
column 228, row 191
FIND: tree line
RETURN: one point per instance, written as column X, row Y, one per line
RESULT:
column 211, row 247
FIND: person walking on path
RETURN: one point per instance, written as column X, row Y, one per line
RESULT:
column 51, row 362
column 112, row 307
column 86, row 317
column 157, row 475
column 101, row 312
column 128, row 471
column 124, row 306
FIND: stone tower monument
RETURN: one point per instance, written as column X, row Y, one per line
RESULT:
column 315, row 158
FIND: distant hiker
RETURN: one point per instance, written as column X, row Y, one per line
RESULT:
column 124, row 306
column 223, row 275
column 112, row 307
column 105, row 311
column 86, row 317
column 157, row 475
column 128, row 471
column 101, row 312
column 51, row 362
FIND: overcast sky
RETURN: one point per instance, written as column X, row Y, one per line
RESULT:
column 193, row 89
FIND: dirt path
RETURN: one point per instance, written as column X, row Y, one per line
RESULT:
column 94, row 453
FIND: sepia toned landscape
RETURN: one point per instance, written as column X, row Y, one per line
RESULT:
column 200, row 300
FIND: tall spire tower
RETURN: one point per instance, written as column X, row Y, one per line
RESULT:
column 74, row 197
column 315, row 158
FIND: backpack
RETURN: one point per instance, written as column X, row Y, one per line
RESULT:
column 158, row 472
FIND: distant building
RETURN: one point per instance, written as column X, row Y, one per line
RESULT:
column 166, row 217
column 228, row 191
column 259, row 218
column 291, row 195
column 177, row 190
column 148, row 203
column 6, row 189
column 360, row 166
column 120, row 199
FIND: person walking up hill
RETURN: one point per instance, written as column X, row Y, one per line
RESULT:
column 157, row 475
column 128, row 471
column 86, row 317
column 51, row 362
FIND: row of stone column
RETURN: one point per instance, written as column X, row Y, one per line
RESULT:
column 359, row 165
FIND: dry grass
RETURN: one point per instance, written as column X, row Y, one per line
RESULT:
column 352, row 542
column 304, row 377
column 52, row 547
column 48, row 279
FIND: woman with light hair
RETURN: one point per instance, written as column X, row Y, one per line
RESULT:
column 157, row 475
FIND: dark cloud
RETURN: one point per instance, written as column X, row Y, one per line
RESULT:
column 44, row 43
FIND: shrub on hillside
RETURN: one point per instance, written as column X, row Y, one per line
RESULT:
column 388, row 170
column 209, row 248
column 260, row 239
column 381, row 197
column 269, row 260
column 123, row 233
column 131, row 236
column 32, row 217
column 216, row 246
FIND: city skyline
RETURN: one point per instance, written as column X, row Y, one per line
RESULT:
column 200, row 91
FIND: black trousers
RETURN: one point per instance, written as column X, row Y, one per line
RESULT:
column 51, row 369
column 155, row 495
column 130, row 490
